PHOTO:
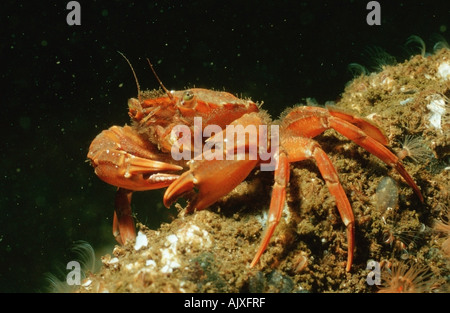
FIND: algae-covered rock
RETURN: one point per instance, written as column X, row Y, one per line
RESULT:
column 211, row 250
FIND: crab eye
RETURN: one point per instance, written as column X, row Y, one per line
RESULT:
column 188, row 95
column 187, row 100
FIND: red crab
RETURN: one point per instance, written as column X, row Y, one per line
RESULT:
column 138, row 157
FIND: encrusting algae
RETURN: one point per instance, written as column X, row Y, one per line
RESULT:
column 211, row 250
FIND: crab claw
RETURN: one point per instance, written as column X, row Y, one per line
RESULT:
column 210, row 180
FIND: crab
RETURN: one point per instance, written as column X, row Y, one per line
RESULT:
column 138, row 157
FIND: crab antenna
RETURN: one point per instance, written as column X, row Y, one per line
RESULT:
column 159, row 81
column 134, row 74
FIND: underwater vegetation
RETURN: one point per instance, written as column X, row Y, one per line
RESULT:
column 209, row 251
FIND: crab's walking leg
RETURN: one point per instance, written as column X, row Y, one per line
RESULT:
column 362, row 123
column 123, row 224
column 276, row 202
column 312, row 121
column 300, row 148
column 374, row 147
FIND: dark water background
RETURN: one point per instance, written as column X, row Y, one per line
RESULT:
column 61, row 85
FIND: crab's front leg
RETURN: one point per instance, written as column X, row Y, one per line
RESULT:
column 124, row 159
column 207, row 181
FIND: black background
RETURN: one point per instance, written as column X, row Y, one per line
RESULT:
column 61, row 85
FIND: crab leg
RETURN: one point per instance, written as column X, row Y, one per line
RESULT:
column 276, row 203
column 123, row 223
column 212, row 180
column 312, row 121
column 364, row 124
column 374, row 147
column 300, row 148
